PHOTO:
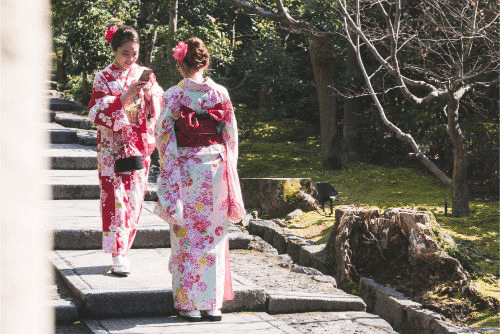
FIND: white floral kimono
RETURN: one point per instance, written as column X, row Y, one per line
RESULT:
column 198, row 189
column 122, row 194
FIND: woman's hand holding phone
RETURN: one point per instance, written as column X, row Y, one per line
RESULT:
column 145, row 76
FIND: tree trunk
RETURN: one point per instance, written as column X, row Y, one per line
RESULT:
column 62, row 76
column 172, row 22
column 149, row 57
column 232, row 28
column 352, row 143
column 322, row 60
column 460, row 189
column 85, row 88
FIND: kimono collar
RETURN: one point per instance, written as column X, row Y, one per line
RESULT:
column 191, row 85
column 123, row 74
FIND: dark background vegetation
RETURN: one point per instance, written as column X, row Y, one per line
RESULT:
column 268, row 73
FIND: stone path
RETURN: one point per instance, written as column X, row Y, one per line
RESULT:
column 270, row 297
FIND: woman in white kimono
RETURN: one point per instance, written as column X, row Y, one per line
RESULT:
column 198, row 186
column 125, row 105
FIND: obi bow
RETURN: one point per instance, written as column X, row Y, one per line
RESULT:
column 216, row 114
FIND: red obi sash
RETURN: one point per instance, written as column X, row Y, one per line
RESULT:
column 194, row 129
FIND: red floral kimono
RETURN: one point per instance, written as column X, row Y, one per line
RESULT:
column 122, row 193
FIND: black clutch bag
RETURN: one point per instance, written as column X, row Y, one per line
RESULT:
column 128, row 164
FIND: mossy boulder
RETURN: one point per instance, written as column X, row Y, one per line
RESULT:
column 276, row 197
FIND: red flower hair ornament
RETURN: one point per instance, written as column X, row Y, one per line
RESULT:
column 180, row 52
column 110, row 33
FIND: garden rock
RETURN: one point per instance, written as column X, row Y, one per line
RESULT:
column 276, row 197
column 305, row 270
column 294, row 214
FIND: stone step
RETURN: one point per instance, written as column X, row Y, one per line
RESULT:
column 248, row 323
column 65, row 311
column 80, row 184
column 76, row 225
column 58, row 134
column 71, row 156
column 59, row 104
column 72, row 184
column 71, row 120
column 147, row 290
column 87, row 137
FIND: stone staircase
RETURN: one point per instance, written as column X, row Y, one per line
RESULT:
column 87, row 299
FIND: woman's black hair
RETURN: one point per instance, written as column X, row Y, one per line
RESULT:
column 123, row 35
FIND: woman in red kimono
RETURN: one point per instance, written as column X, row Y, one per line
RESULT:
column 125, row 105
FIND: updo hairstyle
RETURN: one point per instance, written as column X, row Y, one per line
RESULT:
column 197, row 55
column 123, row 35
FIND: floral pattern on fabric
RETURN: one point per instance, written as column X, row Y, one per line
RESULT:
column 199, row 193
column 122, row 194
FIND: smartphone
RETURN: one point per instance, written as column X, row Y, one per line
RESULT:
column 145, row 75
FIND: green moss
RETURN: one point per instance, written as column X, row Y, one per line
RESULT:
column 485, row 319
column 290, row 192
column 383, row 187
column 352, row 287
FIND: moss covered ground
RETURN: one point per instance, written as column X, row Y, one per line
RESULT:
column 476, row 236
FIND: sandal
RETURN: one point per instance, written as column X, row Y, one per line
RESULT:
column 192, row 316
column 121, row 266
column 212, row 315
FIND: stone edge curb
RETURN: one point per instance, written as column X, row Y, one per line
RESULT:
column 403, row 314
column 278, row 323
column 65, row 311
column 309, row 254
column 279, row 302
column 147, row 237
column 88, row 191
column 97, row 328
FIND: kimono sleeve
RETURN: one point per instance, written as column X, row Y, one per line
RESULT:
column 169, row 184
column 106, row 109
column 236, row 210
column 156, row 99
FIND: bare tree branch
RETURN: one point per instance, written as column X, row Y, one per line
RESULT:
column 282, row 17
column 252, row 9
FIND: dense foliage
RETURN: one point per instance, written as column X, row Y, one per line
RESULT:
column 267, row 70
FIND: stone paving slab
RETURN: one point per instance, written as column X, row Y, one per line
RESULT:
column 59, row 134
column 59, row 104
column 146, row 291
column 337, row 322
column 232, row 323
column 76, row 224
column 71, row 156
column 65, row 310
column 290, row 302
column 87, row 137
column 72, row 184
column 70, row 120
column 80, row 184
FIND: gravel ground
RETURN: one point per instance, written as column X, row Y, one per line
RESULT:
column 267, row 269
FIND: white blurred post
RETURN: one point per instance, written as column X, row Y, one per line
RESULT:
column 24, row 241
